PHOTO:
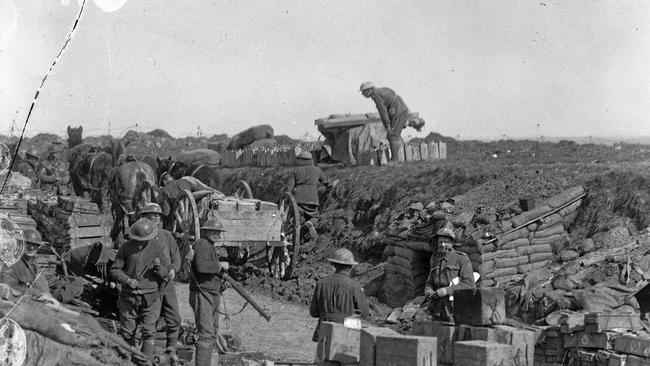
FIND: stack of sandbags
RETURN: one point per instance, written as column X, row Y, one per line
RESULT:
column 515, row 253
column 249, row 136
column 406, row 271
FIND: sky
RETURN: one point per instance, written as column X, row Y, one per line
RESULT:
column 469, row 68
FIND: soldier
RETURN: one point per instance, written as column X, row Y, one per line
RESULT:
column 303, row 184
column 393, row 112
column 169, row 308
column 337, row 296
column 25, row 274
column 205, row 290
column 446, row 264
column 141, row 265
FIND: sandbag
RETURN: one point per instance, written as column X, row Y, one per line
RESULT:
column 388, row 251
column 540, row 257
column 515, row 244
column 565, row 197
column 517, row 234
column 527, row 268
column 533, row 249
column 553, row 240
column 467, row 248
column 249, row 136
column 500, row 272
column 533, row 214
column 570, row 209
column 199, row 156
column 510, row 262
column 404, row 272
column 508, row 278
column 509, row 253
column 419, row 246
column 402, row 262
column 410, row 255
column 270, row 142
column 553, row 230
column 549, row 221
column 532, row 227
column 486, row 267
column 488, row 248
column 475, row 257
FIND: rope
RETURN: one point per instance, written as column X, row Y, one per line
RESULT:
column 38, row 91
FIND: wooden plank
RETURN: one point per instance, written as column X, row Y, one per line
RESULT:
column 600, row 322
column 442, row 150
column 424, row 151
column 401, row 350
column 89, row 231
column 433, row 151
column 338, row 343
column 445, row 333
column 482, row 353
column 603, row 340
column 408, row 153
column 80, row 242
column 353, row 121
column 367, row 344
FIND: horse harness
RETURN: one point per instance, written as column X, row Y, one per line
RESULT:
column 85, row 182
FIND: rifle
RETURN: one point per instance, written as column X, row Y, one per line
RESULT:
column 240, row 290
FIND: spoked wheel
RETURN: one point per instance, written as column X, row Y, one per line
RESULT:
column 186, row 216
column 242, row 190
column 282, row 259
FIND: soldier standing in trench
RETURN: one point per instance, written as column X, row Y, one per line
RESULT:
column 169, row 307
column 446, row 264
column 141, row 265
column 337, row 296
column 393, row 112
column 205, row 290
column 303, row 184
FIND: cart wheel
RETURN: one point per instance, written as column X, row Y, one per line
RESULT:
column 186, row 216
column 282, row 260
column 243, row 190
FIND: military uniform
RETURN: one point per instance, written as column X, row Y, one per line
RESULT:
column 303, row 184
column 394, row 113
column 205, row 296
column 23, row 275
column 444, row 268
column 169, row 306
column 135, row 261
column 335, row 298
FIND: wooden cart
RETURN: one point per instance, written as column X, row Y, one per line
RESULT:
column 253, row 228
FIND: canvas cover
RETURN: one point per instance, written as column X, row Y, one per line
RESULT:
column 199, row 156
column 350, row 135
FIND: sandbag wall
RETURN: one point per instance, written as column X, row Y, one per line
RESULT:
column 530, row 244
column 406, row 270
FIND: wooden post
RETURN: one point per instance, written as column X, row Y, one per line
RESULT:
column 433, row 151
column 443, row 150
column 424, row 151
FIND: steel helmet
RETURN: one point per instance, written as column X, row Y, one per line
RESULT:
column 32, row 237
column 143, row 230
column 151, row 208
column 213, row 225
column 446, row 232
column 366, row 85
column 343, row 256
column 31, row 154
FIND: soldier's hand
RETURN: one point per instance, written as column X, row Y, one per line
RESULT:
column 429, row 292
column 225, row 266
column 132, row 283
column 442, row 292
column 190, row 255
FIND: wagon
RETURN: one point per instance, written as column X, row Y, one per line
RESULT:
column 253, row 228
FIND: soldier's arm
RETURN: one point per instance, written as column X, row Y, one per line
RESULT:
column 203, row 263
column 175, row 254
column 465, row 274
column 383, row 111
column 361, row 303
column 117, row 269
column 40, row 283
column 314, row 310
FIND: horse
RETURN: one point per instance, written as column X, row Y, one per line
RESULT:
column 74, row 136
column 132, row 185
column 151, row 161
column 204, row 173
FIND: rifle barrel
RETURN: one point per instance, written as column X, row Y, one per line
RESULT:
column 240, row 290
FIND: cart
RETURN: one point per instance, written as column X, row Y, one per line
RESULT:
column 254, row 229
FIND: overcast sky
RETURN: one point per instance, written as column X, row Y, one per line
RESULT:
column 470, row 68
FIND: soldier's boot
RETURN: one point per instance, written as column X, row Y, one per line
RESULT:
column 203, row 356
column 148, row 348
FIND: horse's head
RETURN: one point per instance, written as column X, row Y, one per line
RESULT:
column 74, row 136
column 163, row 165
column 178, row 170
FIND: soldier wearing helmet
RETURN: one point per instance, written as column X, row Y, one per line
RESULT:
column 25, row 275
column 337, row 296
column 445, row 265
column 169, row 307
column 303, row 183
column 393, row 112
column 141, row 265
column 205, row 289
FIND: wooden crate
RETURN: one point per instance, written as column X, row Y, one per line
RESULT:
column 482, row 353
column 402, row 350
column 338, row 343
column 633, row 345
column 600, row 322
column 368, row 341
column 482, row 306
column 446, row 334
column 603, row 340
column 243, row 226
column 76, row 204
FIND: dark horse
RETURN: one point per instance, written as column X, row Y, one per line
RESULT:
column 90, row 166
column 204, row 173
column 132, row 185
